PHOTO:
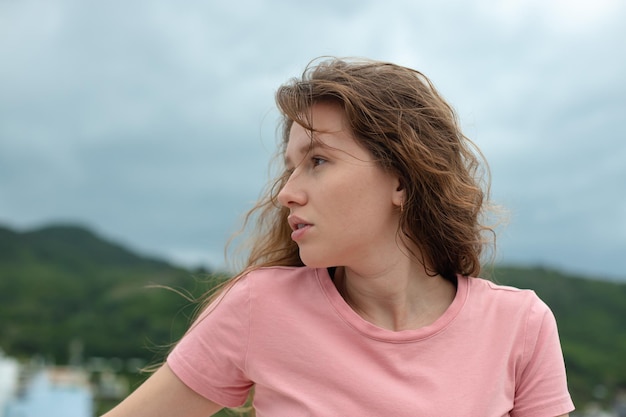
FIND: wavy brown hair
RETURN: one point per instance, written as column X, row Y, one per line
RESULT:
column 397, row 114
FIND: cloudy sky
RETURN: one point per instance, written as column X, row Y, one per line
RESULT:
column 153, row 121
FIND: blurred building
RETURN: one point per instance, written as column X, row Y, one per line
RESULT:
column 50, row 392
column 9, row 374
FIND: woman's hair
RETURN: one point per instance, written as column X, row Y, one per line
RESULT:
column 397, row 114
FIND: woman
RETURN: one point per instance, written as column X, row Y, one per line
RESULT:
column 357, row 298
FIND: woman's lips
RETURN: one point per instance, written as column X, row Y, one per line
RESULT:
column 300, row 230
column 299, row 226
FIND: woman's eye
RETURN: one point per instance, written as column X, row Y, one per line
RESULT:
column 316, row 160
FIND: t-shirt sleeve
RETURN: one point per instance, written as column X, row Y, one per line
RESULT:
column 541, row 386
column 210, row 359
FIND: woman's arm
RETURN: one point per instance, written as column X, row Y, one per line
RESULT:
column 164, row 395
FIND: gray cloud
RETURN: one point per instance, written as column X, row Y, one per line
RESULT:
column 153, row 121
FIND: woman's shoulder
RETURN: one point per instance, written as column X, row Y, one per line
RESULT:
column 486, row 286
column 280, row 272
column 281, row 276
column 279, row 283
column 283, row 288
column 505, row 297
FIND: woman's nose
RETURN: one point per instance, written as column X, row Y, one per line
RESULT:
column 292, row 193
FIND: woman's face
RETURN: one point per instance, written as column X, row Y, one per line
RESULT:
column 343, row 205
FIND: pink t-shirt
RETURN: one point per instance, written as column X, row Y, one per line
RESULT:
column 287, row 331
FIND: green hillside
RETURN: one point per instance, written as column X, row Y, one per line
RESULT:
column 63, row 283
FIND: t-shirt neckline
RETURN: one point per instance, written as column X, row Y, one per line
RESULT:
column 358, row 323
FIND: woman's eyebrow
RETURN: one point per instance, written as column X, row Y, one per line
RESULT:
column 303, row 150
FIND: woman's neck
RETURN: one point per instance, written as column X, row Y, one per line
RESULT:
column 398, row 297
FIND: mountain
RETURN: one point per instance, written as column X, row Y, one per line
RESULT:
column 65, row 284
column 70, row 246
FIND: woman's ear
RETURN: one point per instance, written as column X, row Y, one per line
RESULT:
column 399, row 194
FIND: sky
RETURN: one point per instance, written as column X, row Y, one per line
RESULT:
column 153, row 122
